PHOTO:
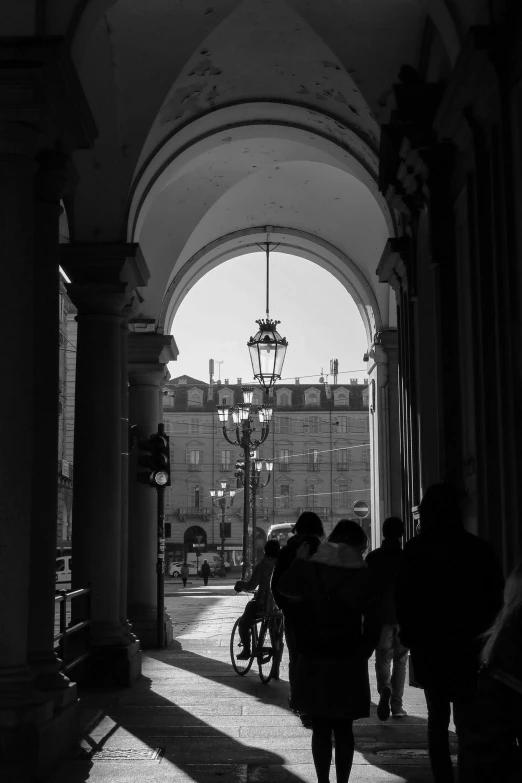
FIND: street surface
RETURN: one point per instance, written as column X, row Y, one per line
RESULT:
column 192, row 718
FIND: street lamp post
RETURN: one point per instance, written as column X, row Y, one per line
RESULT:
column 255, row 486
column 219, row 497
column 244, row 429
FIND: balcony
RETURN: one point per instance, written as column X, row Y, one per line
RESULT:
column 342, row 466
column 314, row 466
column 194, row 466
column 196, row 511
column 226, row 467
column 284, row 466
column 317, row 509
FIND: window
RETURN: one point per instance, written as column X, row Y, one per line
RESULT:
column 194, row 459
column 168, row 497
column 284, row 459
column 313, row 496
column 225, row 459
column 195, row 397
column 341, row 497
column 283, row 499
column 195, row 494
column 311, row 397
column 283, row 399
column 224, row 401
column 341, row 399
column 194, row 426
column 314, row 458
column 343, row 458
column 283, row 425
column 342, row 424
column 312, row 424
column 257, row 397
column 168, row 530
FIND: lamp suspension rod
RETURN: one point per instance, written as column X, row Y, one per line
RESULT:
column 267, row 276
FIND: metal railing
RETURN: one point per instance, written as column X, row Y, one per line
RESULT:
column 61, row 638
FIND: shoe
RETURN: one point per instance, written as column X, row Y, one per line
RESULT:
column 383, row 708
column 244, row 656
column 399, row 713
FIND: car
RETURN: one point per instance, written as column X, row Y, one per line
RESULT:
column 175, row 569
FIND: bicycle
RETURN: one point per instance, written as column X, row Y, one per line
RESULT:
column 266, row 644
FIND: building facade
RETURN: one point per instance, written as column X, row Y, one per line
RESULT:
column 318, row 442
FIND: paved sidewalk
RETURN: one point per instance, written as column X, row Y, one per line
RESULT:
column 191, row 718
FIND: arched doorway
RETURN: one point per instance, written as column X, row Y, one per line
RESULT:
column 194, row 540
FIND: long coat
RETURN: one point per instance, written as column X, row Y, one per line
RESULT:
column 341, row 630
column 449, row 590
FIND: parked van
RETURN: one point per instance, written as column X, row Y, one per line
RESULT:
column 212, row 558
column 63, row 571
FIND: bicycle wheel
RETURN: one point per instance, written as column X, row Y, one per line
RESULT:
column 241, row 667
column 266, row 648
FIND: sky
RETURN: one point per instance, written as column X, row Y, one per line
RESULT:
column 318, row 317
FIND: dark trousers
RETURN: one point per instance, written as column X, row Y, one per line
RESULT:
column 184, row 580
column 322, row 729
column 292, row 655
column 439, row 713
column 248, row 618
column 205, row 580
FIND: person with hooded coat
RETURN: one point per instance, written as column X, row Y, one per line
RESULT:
column 338, row 633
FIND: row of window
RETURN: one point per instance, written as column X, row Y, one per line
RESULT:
column 283, row 397
column 285, row 458
column 314, row 497
column 282, row 425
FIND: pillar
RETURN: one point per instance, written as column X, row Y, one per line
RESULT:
column 103, row 281
column 24, row 710
column 384, row 431
column 148, row 357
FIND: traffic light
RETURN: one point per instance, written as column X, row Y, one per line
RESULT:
column 225, row 529
column 155, row 456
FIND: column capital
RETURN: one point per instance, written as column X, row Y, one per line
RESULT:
column 104, row 276
column 39, row 88
column 152, row 348
column 393, row 264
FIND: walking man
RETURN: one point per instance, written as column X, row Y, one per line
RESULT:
column 205, row 572
column 184, row 571
column 449, row 590
column 391, row 657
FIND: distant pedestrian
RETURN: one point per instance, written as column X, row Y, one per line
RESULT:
column 449, row 590
column 492, row 747
column 335, row 636
column 308, row 524
column 205, row 572
column 391, row 657
column 184, row 571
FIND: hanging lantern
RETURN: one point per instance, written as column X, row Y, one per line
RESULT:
column 267, row 353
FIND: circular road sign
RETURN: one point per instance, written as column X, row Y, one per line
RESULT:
column 361, row 509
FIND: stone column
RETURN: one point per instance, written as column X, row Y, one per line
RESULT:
column 50, row 181
column 384, row 431
column 148, row 357
column 103, row 280
column 22, row 706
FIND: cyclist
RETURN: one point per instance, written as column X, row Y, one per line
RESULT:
column 263, row 601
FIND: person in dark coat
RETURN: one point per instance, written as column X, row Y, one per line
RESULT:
column 308, row 524
column 205, row 572
column 448, row 592
column 492, row 743
column 391, row 657
column 335, row 636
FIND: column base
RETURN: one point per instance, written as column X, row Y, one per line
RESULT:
column 146, row 628
column 31, row 752
column 109, row 667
